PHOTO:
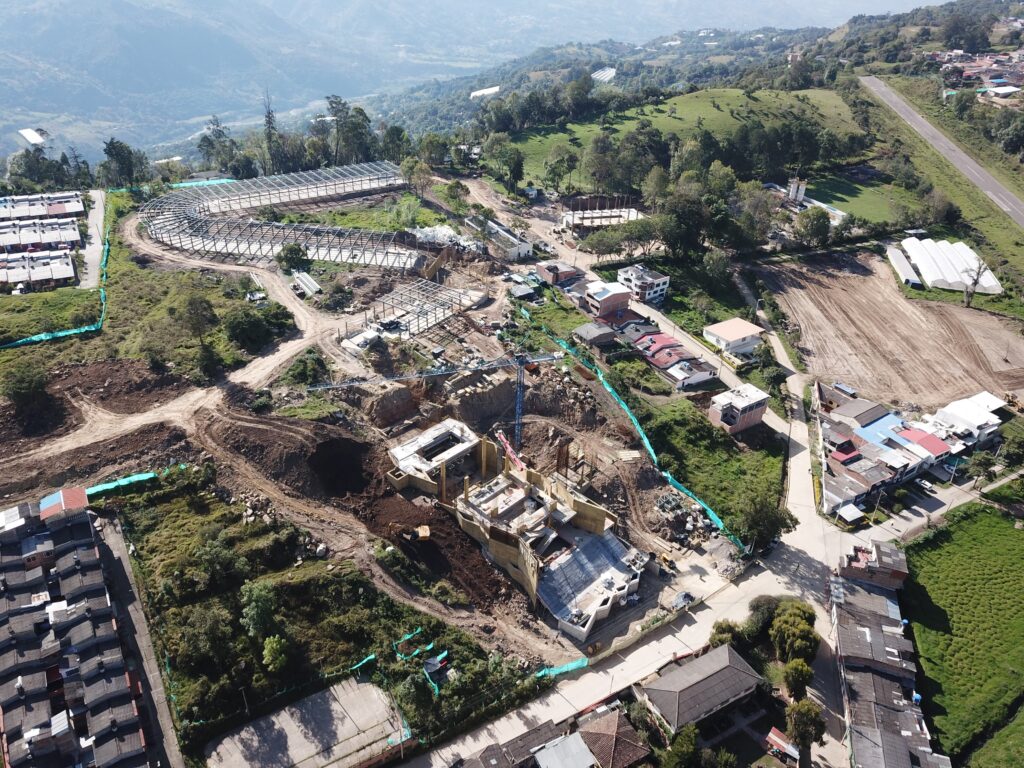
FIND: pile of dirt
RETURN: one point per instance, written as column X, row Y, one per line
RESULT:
column 315, row 460
column 150, row 448
column 450, row 553
column 121, row 386
column 21, row 433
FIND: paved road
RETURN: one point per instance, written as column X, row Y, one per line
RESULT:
column 164, row 745
column 93, row 251
column 1006, row 200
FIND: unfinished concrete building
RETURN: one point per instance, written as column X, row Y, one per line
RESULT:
column 541, row 529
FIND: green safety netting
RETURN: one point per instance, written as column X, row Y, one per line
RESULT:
column 639, row 429
column 116, row 485
column 92, row 327
column 367, row 660
column 579, row 663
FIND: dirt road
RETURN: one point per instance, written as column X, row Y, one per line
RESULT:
column 858, row 328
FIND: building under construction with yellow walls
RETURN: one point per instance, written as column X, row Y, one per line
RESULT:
column 557, row 544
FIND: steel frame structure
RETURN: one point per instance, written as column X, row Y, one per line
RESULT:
column 421, row 304
column 203, row 219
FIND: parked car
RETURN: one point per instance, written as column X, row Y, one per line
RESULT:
column 924, row 485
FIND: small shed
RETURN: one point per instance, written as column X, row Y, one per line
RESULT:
column 522, row 292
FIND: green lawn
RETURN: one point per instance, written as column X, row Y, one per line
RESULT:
column 144, row 307
column 1005, row 749
column 965, row 600
column 871, row 200
column 380, row 218
column 709, row 462
column 641, row 376
column 719, row 110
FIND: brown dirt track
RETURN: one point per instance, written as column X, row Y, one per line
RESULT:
column 858, row 328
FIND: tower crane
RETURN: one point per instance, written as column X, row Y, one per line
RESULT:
column 517, row 361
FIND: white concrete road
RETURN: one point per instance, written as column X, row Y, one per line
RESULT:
column 1006, row 200
column 93, row 251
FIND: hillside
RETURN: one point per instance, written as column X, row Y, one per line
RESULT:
column 152, row 71
column 719, row 110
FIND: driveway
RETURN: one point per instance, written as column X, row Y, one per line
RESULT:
column 93, row 251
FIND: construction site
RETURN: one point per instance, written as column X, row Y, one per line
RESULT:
column 858, row 327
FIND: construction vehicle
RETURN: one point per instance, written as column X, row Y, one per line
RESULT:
column 419, row 533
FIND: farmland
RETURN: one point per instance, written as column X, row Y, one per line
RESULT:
column 719, row 110
column 965, row 600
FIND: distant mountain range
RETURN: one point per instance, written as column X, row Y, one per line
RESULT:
column 152, row 71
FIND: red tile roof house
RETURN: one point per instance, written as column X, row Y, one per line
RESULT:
column 656, row 342
column 934, row 445
column 666, row 358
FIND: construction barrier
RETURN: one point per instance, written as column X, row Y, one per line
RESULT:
column 92, row 327
column 712, row 515
column 367, row 660
column 117, row 485
column 572, row 666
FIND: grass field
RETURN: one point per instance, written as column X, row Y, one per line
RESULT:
column 143, row 306
column 994, row 234
column 965, row 600
column 719, row 110
column 1005, row 749
column 869, row 200
column 380, row 218
column 709, row 462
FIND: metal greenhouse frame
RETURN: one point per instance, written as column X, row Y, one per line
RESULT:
column 199, row 219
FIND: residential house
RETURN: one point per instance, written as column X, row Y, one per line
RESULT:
column 698, row 687
column 645, row 284
column 736, row 336
column 858, row 412
column 612, row 740
column 881, row 564
column 690, row 373
column 973, row 419
column 594, row 334
column 738, row 409
column 605, row 299
column 556, row 272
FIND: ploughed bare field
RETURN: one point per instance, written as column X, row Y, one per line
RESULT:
column 858, row 328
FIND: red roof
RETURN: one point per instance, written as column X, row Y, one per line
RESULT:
column 656, row 342
column 934, row 445
column 845, row 456
column 666, row 358
column 68, row 498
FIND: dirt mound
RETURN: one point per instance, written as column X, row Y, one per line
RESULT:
column 313, row 459
column 21, row 434
column 150, row 448
column 450, row 553
column 121, row 386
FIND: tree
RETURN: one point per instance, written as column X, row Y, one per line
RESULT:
column 717, row 267
column 259, row 604
column 419, row 175
column 762, row 518
column 721, row 180
column 119, row 167
column 247, row 328
column 963, row 103
column 519, row 225
column 655, row 187
column 1013, row 451
column 433, row 148
column 199, row 316
column 972, row 278
column 805, row 726
column 275, row 653
column 561, row 162
column 205, row 637
column 395, row 144
column 724, row 632
column 640, row 233
column 456, row 192
column 24, row 384
column 293, row 257
column 683, row 751
column 764, row 355
column 797, row 674
column 981, row 466
column 792, row 632
column 813, row 226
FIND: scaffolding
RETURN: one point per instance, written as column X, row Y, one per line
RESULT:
column 205, row 220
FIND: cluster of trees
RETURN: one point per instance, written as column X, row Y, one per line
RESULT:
column 1003, row 127
column 34, row 170
column 786, row 627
